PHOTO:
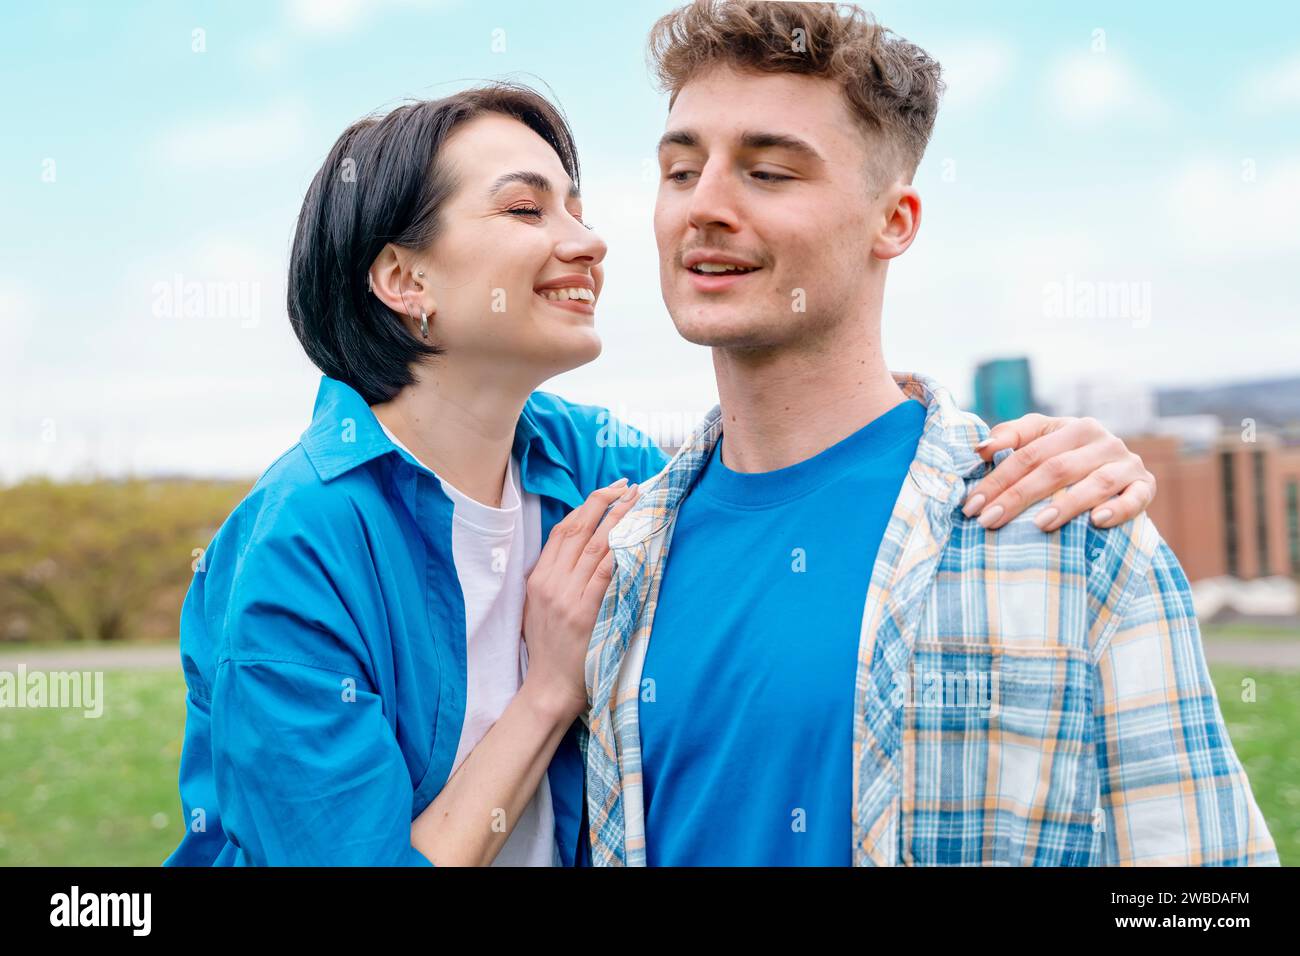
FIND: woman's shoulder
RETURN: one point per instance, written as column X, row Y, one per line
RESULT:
column 289, row 575
column 290, row 500
column 555, row 415
column 591, row 440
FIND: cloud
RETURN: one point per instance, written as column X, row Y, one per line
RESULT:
column 188, row 364
column 335, row 16
column 1274, row 88
column 240, row 141
column 325, row 16
column 18, row 305
column 1242, row 208
column 263, row 52
column 1095, row 87
column 974, row 70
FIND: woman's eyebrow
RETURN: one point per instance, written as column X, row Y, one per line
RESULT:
column 528, row 178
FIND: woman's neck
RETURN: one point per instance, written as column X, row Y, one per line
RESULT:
column 461, row 429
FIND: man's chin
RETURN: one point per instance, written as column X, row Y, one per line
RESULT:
column 715, row 328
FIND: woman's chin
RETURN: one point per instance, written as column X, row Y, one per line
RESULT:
column 573, row 347
column 566, row 322
column 588, row 348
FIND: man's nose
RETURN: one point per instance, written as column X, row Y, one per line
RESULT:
column 713, row 200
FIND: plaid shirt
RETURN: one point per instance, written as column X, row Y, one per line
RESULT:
column 1020, row 699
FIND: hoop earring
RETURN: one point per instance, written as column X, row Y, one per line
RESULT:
column 424, row 324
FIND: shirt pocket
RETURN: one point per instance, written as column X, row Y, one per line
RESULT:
column 998, row 757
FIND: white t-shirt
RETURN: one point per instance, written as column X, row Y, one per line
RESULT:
column 493, row 550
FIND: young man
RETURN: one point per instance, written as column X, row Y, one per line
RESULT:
column 812, row 650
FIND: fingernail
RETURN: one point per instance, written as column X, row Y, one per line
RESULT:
column 630, row 493
column 615, row 484
column 1045, row 517
column 990, row 516
column 984, row 442
column 972, row 506
column 1102, row 515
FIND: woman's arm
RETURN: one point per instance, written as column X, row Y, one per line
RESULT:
column 471, row 818
column 1096, row 469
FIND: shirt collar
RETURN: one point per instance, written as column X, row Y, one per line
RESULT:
column 345, row 434
column 945, row 460
column 945, row 457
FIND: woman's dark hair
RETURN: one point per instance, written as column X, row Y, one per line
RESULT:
column 382, row 183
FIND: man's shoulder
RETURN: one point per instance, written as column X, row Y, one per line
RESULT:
column 1077, row 577
column 1104, row 554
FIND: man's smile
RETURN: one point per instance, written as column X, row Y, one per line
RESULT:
column 717, row 271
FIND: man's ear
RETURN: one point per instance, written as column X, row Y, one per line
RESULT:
column 400, row 284
column 900, row 221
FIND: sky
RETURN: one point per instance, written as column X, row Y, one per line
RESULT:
column 1112, row 189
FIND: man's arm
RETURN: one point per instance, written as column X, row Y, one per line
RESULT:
column 1173, row 792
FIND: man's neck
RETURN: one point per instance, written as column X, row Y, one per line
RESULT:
column 783, row 406
column 465, row 434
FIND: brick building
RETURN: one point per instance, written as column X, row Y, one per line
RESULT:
column 1229, row 509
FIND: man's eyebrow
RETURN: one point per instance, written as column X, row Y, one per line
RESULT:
column 750, row 140
column 678, row 137
column 528, row 178
column 761, row 140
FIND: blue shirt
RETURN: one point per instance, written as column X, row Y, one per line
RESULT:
column 323, row 641
column 1006, row 707
column 746, row 707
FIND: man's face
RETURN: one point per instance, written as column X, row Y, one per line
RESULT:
column 767, row 176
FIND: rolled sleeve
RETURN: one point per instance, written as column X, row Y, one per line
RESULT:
column 307, row 769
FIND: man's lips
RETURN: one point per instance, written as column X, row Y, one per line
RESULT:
column 709, row 273
column 719, row 282
column 703, row 257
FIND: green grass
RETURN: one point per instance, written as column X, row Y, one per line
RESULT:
column 1241, row 630
column 80, row 791
column 1266, row 736
column 76, row 791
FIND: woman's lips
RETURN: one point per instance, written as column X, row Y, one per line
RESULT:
column 570, row 305
column 578, row 283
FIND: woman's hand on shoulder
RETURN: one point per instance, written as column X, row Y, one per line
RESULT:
column 564, row 594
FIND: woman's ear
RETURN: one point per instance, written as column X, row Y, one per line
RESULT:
column 398, row 282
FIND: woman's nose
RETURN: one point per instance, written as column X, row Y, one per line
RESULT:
column 582, row 243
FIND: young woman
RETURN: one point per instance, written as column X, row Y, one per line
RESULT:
column 385, row 663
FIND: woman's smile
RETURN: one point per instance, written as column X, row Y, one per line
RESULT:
column 573, row 293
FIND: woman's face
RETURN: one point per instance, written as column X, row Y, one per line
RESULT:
column 514, row 274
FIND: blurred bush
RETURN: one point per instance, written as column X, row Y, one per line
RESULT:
column 103, row 560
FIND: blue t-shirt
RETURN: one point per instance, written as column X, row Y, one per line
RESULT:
column 746, row 705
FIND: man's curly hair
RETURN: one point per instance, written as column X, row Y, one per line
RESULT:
column 891, row 86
